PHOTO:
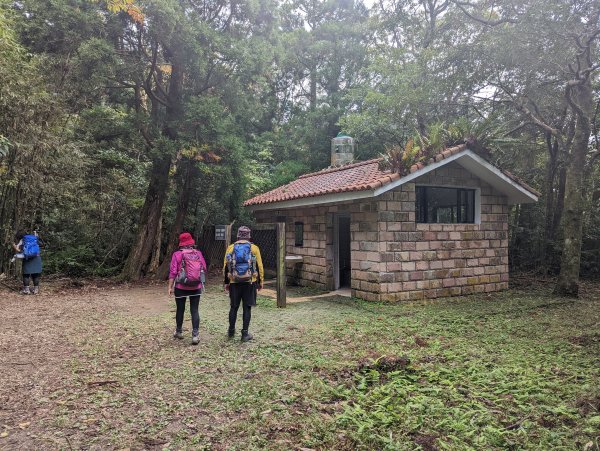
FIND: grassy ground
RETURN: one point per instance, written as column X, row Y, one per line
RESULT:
column 97, row 368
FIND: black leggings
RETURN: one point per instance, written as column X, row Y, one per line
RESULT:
column 35, row 277
column 245, row 294
column 180, row 297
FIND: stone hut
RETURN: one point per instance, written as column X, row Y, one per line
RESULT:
column 441, row 230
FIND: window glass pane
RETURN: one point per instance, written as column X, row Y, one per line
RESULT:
column 445, row 205
column 421, row 204
column 467, row 205
column 299, row 233
column 441, row 205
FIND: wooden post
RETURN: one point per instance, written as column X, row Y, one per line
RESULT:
column 228, row 235
column 281, row 277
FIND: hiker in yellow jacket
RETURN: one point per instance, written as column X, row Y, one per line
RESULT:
column 243, row 275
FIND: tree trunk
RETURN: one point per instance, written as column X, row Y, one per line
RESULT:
column 13, row 204
column 313, row 87
column 141, row 254
column 568, row 279
column 560, row 198
column 551, row 166
column 183, row 203
column 144, row 255
column 155, row 259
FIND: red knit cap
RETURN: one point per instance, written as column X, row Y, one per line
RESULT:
column 185, row 239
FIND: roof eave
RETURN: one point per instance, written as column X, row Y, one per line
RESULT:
column 514, row 192
column 313, row 200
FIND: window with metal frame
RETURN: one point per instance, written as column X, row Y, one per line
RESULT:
column 443, row 205
column 299, row 234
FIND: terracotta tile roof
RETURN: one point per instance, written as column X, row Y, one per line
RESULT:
column 364, row 175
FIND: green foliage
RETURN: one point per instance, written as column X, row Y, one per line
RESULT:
column 74, row 261
column 500, row 395
column 30, row 118
column 513, row 370
column 8, row 42
column 479, row 136
column 287, row 171
column 264, row 88
column 72, row 178
column 400, row 159
column 322, row 49
column 4, row 146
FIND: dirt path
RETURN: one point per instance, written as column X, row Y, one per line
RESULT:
column 41, row 340
column 38, row 342
column 93, row 367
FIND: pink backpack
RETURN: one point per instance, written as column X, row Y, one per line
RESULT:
column 192, row 269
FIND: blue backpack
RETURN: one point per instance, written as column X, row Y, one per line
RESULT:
column 31, row 247
column 240, row 262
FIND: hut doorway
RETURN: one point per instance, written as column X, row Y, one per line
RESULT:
column 342, row 255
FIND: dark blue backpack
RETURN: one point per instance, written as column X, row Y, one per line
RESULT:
column 31, row 247
column 240, row 261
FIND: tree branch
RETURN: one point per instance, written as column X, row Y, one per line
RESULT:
column 123, row 84
column 526, row 111
column 517, row 128
column 143, row 130
column 151, row 74
column 159, row 86
column 488, row 22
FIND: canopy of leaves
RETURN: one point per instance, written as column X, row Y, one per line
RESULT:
column 241, row 97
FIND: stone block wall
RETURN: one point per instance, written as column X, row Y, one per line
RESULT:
column 364, row 248
column 394, row 258
column 317, row 251
column 436, row 260
column 315, row 269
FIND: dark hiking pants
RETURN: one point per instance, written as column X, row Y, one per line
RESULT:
column 245, row 294
column 34, row 277
column 180, row 298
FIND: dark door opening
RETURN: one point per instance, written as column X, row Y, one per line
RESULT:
column 344, row 251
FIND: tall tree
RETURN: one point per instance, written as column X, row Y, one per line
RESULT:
column 546, row 57
column 324, row 51
column 187, row 51
column 32, row 154
column 422, row 72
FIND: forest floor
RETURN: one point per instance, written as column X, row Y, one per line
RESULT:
column 95, row 367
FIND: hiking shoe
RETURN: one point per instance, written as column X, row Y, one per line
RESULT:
column 231, row 333
column 25, row 290
column 178, row 334
column 195, row 337
column 36, row 290
column 246, row 336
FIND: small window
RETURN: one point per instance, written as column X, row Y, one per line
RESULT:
column 299, row 234
column 445, row 205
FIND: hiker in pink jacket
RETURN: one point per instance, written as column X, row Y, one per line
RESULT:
column 186, row 276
